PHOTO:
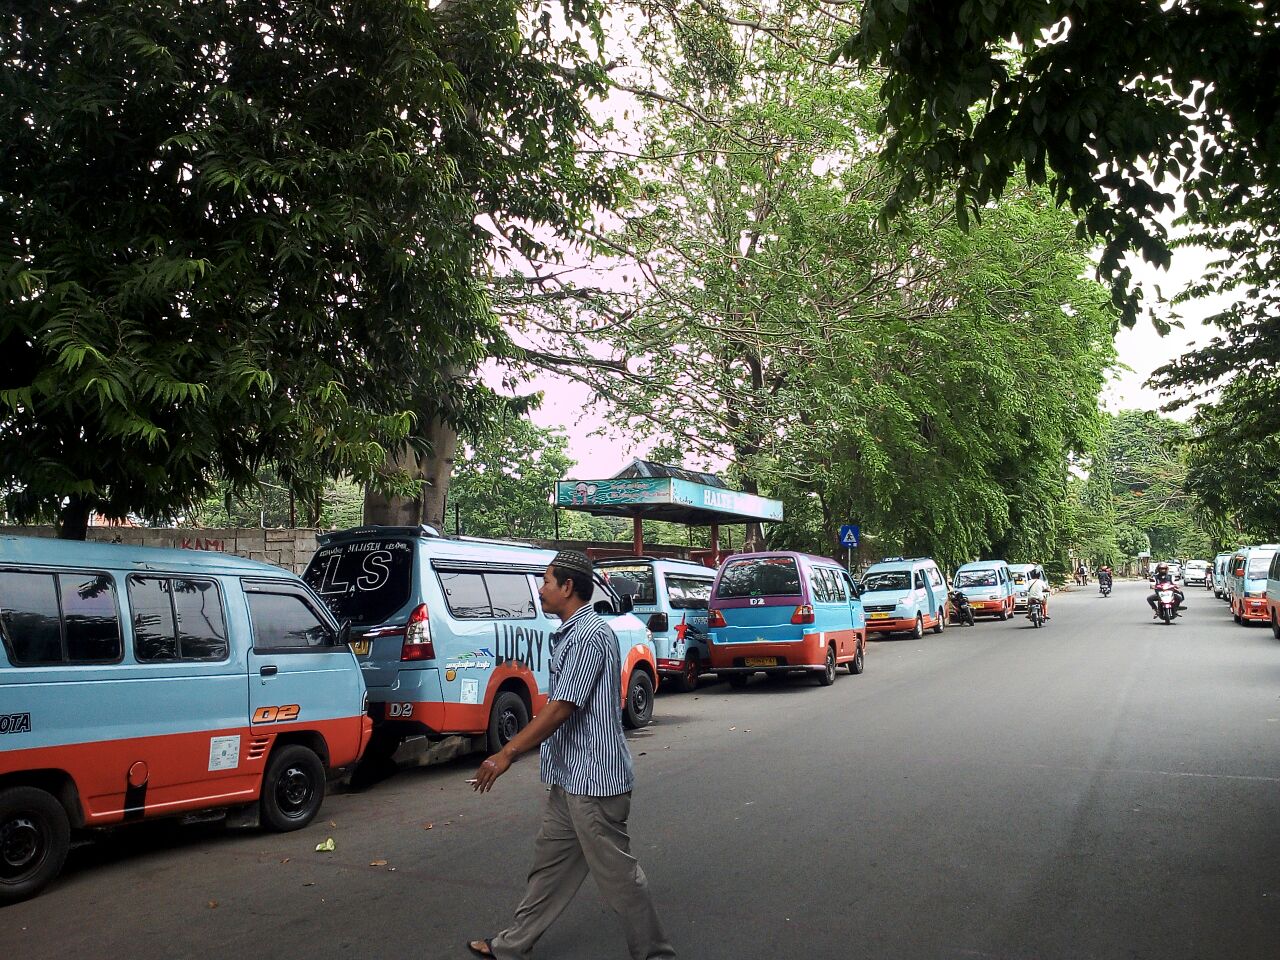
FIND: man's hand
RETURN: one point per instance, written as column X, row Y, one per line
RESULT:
column 494, row 767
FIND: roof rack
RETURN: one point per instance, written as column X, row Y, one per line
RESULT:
column 421, row 530
column 497, row 540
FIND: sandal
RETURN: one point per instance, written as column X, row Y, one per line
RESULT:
column 487, row 952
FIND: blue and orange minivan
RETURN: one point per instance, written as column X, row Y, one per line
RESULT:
column 780, row 613
column 1248, row 591
column 451, row 636
column 138, row 683
column 988, row 584
column 904, row 596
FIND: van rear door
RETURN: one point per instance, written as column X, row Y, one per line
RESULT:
column 757, row 597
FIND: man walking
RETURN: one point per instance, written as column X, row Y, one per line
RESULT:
column 587, row 766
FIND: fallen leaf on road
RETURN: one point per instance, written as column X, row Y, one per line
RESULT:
column 308, row 884
column 377, row 863
column 213, row 904
column 286, row 859
column 332, row 824
column 327, row 847
column 733, row 728
column 428, row 826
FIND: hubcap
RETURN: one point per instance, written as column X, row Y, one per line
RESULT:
column 295, row 791
column 21, row 846
column 639, row 700
column 831, row 662
column 508, row 725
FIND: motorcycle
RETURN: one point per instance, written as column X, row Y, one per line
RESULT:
column 1166, row 602
column 1104, row 587
column 961, row 611
column 1035, row 612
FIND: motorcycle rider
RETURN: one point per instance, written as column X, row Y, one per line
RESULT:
column 1104, row 577
column 1038, row 592
column 1162, row 575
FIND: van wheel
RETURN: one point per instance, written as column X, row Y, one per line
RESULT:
column 1275, row 627
column 34, row 839
column 918, row 630
column 686, row 681
column 738, row 680
column 942, row 622
column 508, row 717
column 638, row 710
column 828, row 675
column 857, row 664
column 292, row 788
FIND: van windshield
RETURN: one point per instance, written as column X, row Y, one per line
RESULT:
column 759, row 577
column 887, row 580
column 1259, row 566
column 364, row 582
column 639, row 574
column 976, row 578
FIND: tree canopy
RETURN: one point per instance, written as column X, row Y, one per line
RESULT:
column 245, row 233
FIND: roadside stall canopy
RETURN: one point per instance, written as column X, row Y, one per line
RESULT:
column 644, row 490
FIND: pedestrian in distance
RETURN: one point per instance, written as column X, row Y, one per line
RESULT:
column 587, row 768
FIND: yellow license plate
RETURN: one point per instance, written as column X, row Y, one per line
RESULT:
column 361, row 647
column 761, row 661
column 877, row 616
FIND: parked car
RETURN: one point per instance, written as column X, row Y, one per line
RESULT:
column 1273, row 595
column 451, row 636
column 1195, row 573
column 1248, row 580
column 1221, row 575
column 141, row 683
column 671, row 599
column 988, row 586
column 781, row 613
column 904, row 596
column 1023, row 574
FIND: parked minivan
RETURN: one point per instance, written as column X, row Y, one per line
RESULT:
column 781, row 613
column 1249, row 569
column 671, row 599
column 451, row 636
column 138, row 683
column 1273, row 595
column 989, row 587
column 1221, row 574
column 904, row 596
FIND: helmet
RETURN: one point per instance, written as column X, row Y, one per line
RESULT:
column 1162, row 566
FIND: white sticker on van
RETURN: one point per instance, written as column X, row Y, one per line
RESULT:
column 470, row 691
column 224, row 753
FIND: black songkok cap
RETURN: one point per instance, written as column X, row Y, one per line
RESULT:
column 572, row 560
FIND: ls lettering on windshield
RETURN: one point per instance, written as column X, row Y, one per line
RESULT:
column 518, row 645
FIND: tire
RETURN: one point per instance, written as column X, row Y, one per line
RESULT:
column 1275, row 627
column 917, row 632
column 970, row 619
column 686, row 681
column 828, row 675
column 1236, row 617
column 1002, row 615
column 638, row 710
column 738, row 680
column 507, row 717
column 35, row 836
column 942, row 622
column 858, row 663
column 292, row 788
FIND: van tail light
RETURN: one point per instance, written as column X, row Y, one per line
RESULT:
column 715, row 619
column 803, row 614
column 417, row 636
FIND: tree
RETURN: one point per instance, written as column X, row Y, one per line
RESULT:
column 924, row 380
column 1115, row 106
column 241, row 234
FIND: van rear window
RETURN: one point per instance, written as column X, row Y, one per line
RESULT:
column 364, row 582
column 1258, row 567
column 642, row 576
column 759, row 577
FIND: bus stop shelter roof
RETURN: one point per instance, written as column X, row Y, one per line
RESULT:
column 655, row 491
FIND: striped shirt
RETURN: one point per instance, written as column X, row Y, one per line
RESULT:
column 588, row 754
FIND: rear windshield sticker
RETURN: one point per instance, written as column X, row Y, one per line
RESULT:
column 224, row 753
column 470, row 690
column 15, row 723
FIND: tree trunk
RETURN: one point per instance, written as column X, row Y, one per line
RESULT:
column 434, row 470
column 73, row 520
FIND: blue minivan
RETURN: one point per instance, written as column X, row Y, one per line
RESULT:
column 988, row 585
column 904, row 596
column 779, row 613
column 671, row 599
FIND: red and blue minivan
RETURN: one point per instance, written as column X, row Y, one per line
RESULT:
column 784, row 612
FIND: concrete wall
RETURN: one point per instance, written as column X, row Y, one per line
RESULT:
column 290, row 549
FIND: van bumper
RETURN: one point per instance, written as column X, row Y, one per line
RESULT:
column 1255, row 610
column 902, row 625
column 807, row 654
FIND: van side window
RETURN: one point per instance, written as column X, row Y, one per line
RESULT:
column 510, row 596
column 919, row 580
column 177, row 619
column 465, row 594
column 282, row 621
column 688, row 593
column 838, row 592
column 819, row 585
column 59, row 618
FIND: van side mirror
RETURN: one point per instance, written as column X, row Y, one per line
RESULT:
column 626, row 603
column 344, row 634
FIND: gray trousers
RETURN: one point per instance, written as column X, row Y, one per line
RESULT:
column 581, row 835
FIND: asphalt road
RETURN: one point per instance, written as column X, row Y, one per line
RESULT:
column 1106, row 787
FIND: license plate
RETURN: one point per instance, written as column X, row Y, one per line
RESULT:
column 361, row 647
column 877, row 616
column 760, row 661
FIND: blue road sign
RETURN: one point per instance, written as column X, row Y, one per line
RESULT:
column 849, row 534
